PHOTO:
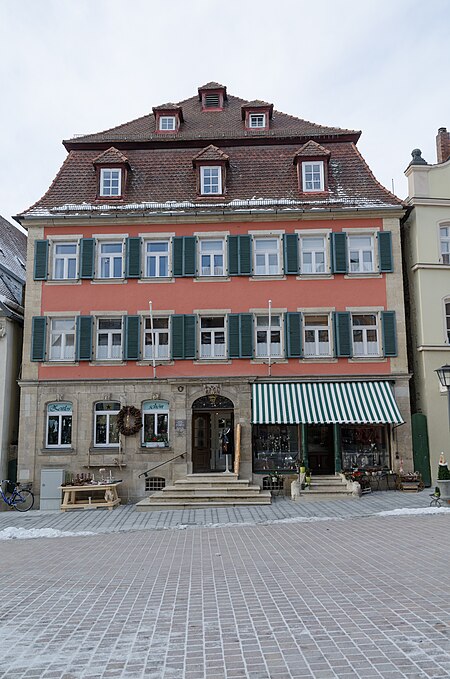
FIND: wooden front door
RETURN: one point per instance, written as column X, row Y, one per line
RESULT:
column 320, row 449
column 201, row 442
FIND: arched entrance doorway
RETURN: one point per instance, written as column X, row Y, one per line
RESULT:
column 212, row 433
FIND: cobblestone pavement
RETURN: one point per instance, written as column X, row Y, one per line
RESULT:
column 364, row 596
column 126, row 517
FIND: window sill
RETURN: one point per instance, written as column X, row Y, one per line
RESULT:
column 111, row 281
column 367, row 359
column 52, row 364
column 105, row 361
column 371, row 274
column 107, row 450
column 64, row 281
column 212, row 279
column 273, row 277
column 315, row 276
column 58, row 451
column 152, row 449
column 156, row 279
column 320, row 359
column 217, row 361
column 148, row 362
column 265, row 361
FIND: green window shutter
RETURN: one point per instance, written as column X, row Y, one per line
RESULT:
column 233, row 334
column 183, row 336
column 190, row 264
column 84, row 338
column 342, row 333
column 40, row 260
column 389, row 333
column 87, row 249
column 239, row 255
column 38, row 338
column 178, row 256
column 385, row 251
column 339, row 252
column 293, row 329
column 133, row 262
column 132, row 338
column 290, row 253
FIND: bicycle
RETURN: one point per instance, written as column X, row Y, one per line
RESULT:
column 435, row 498
column 21, row 499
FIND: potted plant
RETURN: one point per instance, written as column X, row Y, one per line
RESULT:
column 443, row 479
column 157, row 441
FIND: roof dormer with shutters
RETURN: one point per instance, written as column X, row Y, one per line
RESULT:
column 257, row 115
column 312, row 168
column 111, row 169
column 212, row 96
column 168, row 118
column 211, row 172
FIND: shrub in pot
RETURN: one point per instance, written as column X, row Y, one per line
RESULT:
column 443, row 479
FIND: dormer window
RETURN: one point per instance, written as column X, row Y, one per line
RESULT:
column 212, row 96
column 210, row 180
column 312, row 176
column 257, row 120
column 211, row 101
column 111, row 182
column 167, row 123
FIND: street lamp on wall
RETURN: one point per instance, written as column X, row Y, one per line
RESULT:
column 444, row 378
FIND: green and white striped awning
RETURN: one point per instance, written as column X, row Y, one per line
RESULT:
column 325, row 402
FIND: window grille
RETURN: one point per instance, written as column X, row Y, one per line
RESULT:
column 154, row 483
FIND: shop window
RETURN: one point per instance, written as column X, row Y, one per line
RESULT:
column 364, row 446
column 106, row 432
column 155, row 432
column 275, row 447
column 268, row 329
column 59, row 425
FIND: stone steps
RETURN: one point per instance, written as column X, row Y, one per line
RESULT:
column 206, row 490
column 326, row 487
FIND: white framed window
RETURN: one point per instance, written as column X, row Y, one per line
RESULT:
column 62, row 339
column 109, row 339
column 157, row 258
column 212, row 337
column 267, row 256
column 316, row 333
column 110, row 182
column 167, row 123
column 156, row 339
column 65, row 260
column 365, row 335
column 212, row 257
column 313, row 177
column 59, row 425
column 361, row 254
column 265, row 330
column 110, row 259
column 106, row 431
column 313, row 253
column 447, row 320
column 444, row 242
column 210, row 180
column 256, row 120
column 155, row 430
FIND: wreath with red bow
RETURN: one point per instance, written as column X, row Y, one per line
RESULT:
column 129, row 420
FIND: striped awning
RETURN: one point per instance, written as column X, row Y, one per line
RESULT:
column 325, row 402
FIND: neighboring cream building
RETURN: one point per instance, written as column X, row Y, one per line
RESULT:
column 13, row 245
column 426, row 232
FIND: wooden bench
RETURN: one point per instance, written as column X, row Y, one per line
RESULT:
column 90, row 496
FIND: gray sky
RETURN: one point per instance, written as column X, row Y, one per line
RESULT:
column 77, row 66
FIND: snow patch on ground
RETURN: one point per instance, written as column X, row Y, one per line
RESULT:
column 30, row 533
column 410, row 511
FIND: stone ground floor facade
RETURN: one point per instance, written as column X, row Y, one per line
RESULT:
column 188, row 426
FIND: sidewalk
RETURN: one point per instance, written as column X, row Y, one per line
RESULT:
column 126, row 518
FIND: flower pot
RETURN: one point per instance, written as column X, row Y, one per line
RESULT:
column 444, row 487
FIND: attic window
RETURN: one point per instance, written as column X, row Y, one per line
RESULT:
column 211, row 101
column 313, row 177
column 110, row 182
column 167, row 123
column 210, row 180
column 256, row 120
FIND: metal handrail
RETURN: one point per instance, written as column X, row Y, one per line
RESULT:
column 160, row 465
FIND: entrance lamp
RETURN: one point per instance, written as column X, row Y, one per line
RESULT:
column 444, row 378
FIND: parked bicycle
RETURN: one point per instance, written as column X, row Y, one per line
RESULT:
column 15, row 496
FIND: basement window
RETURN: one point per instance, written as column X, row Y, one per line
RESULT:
column 153, row 483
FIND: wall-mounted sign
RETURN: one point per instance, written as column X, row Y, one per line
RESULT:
column 180, row 425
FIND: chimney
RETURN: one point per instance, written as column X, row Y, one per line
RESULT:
column 442, row 145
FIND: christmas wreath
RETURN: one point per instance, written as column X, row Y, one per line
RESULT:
column 129, row 420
